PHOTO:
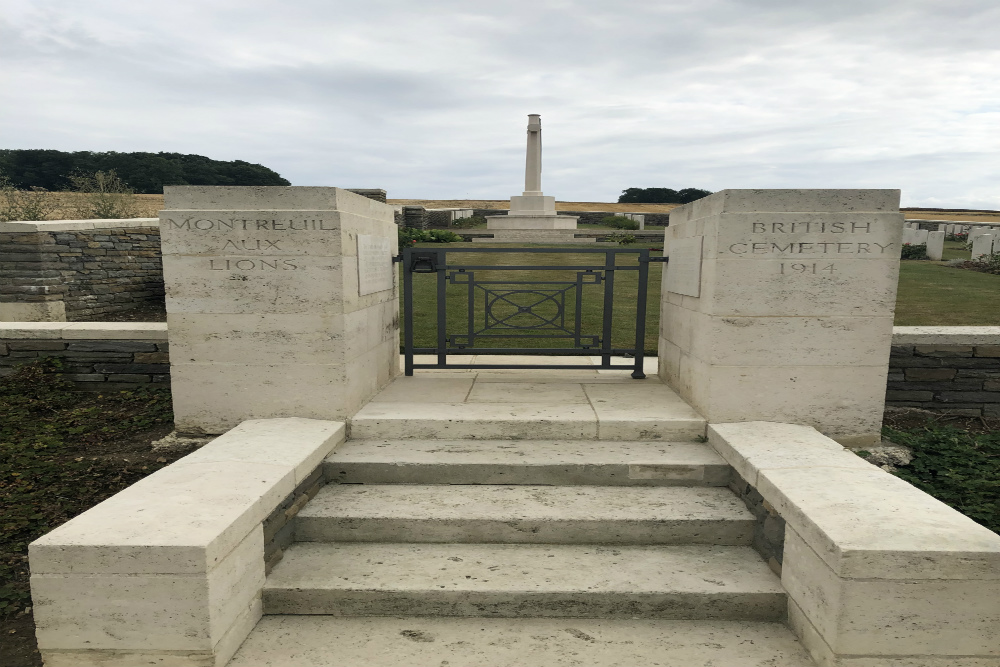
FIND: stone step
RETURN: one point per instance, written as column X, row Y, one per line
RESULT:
column 580, row 462
column 320, row 641
column 525, row 514
column 497, row 410
column 525, row 580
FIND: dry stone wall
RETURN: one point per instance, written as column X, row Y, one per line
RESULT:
column 97, row 364
column 946, row 376
column 91, row 268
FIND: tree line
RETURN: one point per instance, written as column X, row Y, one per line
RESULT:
column 661, row 195
column 144, row 173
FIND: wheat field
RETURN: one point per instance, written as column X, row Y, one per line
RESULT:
column 66, row 207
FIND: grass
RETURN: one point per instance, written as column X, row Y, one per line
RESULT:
column 933, row 294
column 61, row 452
column 592, row 313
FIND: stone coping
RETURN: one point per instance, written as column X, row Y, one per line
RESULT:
column 946, row 335
column 76, row 225
column 862, row 521
column 185, row 518
column 158, row 331
column 83, row 330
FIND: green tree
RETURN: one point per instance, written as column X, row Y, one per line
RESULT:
column 661, row 195
column 145, row 173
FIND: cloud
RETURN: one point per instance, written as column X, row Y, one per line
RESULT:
column 429, row 99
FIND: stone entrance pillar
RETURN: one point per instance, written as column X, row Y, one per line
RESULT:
column 777, row 305
column 281, row 302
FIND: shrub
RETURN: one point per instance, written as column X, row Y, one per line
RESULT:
column 409, row 236
column 619, row 222
column 30, row 205
column 988, row 263
column 441, row 236
column 621, row 238
column 914, row 251
column 105, row 196
column 962, row 237
column 959, row 468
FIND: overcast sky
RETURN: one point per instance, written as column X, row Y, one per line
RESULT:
column 430, row 99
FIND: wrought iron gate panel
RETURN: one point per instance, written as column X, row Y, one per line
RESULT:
column 524, row 309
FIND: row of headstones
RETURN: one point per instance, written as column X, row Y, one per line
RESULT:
column 985, row 239
column 913, row 235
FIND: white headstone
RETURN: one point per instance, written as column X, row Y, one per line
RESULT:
column 935, row 246
column 920, row 236
column 982, row 245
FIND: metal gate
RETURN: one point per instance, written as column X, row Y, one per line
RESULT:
column 503, row 302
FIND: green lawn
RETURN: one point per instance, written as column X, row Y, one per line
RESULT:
column 930, row 294
column 956, row 250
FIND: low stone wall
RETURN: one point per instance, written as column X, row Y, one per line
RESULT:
column 169, row 571
column 952, row 370
column 74, row 270
column 94, row 356
column 769, row 529
column 877, row 572
column 279, row 526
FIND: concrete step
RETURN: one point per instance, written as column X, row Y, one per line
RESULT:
column 580, row 462
column 524, row 580
column 322, row 641
column 525, row 514
column 499, row 409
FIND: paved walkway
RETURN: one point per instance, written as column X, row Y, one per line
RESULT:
column 532, row 404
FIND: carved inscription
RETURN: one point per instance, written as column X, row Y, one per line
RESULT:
column 374, row 264
column 248, row 225
column 823, row 240
column 234, row 238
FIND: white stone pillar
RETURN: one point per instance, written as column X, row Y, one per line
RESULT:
column 935, row 246
column 281, row 302
column 777, row 305
column 533, row 159
column 982, row 245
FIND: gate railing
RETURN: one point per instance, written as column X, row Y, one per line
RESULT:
column 546, row 310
